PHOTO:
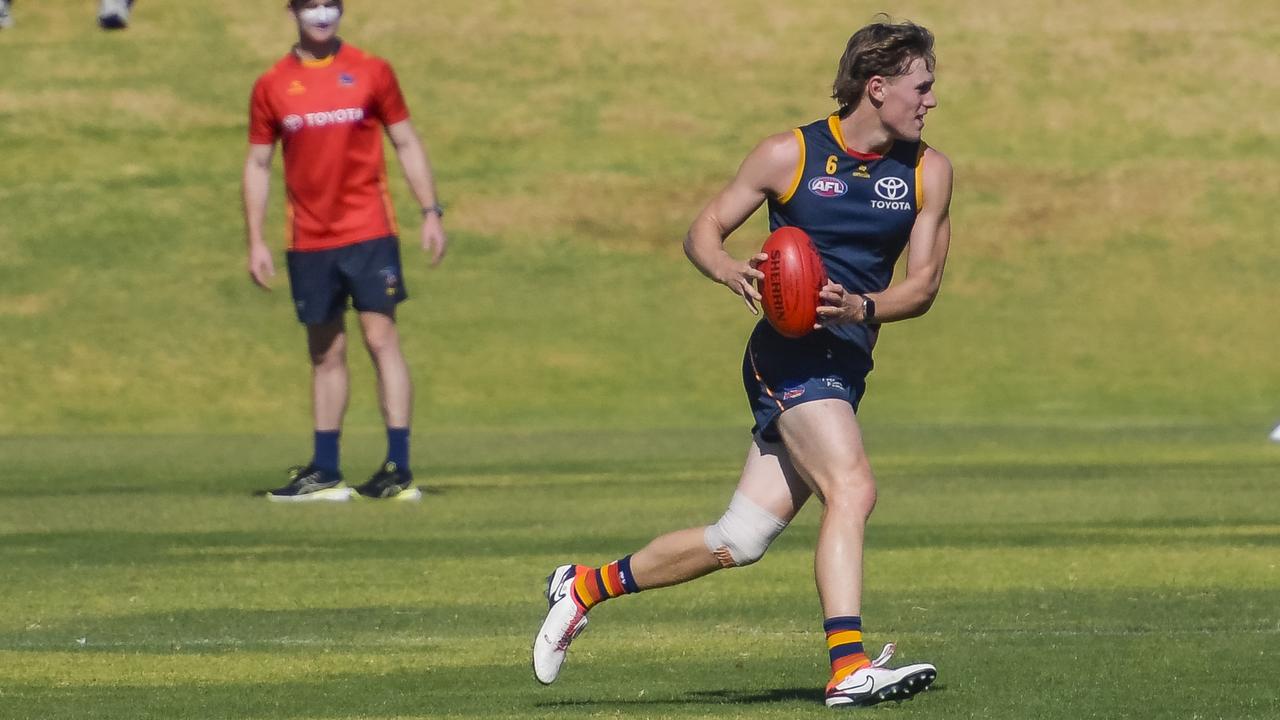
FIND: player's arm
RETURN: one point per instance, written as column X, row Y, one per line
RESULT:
column 254, row 190
column 926, row 256
column 417, row 171
column 766, row 172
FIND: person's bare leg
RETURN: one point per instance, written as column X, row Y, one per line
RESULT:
column 395, row 389
column 825, row 443
column 327, row 345
column 770, row 493
column 768, row 480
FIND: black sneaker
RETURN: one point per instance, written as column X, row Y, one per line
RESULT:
column 390, row 483
column 310, row 484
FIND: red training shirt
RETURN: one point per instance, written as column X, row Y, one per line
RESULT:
column 329, row 115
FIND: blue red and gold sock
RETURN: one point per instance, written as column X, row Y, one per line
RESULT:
column 398, row 447
column 325, row 456
column 844, row 643
column 595, row 585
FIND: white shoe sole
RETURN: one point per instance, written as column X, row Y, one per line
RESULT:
column 333, row 494
column 904, row 689
column 413, row 494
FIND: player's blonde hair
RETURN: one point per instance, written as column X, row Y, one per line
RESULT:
column 882, row 48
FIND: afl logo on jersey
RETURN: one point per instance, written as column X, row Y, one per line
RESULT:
column 828, row 187
column 292, row 123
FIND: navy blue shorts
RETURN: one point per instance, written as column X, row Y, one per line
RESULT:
column 779, row 373
column 367, row 272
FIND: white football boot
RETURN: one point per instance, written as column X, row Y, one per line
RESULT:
column 564, row 622
column 6, row 17
column 877, row 683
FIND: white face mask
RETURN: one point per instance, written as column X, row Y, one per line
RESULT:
column 319, row 16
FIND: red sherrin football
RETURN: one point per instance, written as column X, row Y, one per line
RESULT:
column 793, row 275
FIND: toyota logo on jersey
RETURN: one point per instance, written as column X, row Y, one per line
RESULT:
column 341, row 116
column 828, row 187
column 891, row 188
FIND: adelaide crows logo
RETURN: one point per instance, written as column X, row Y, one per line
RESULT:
column 391, row 277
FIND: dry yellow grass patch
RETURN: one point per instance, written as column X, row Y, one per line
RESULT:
column 156, row 106
column 611, row 210
column 26, row 305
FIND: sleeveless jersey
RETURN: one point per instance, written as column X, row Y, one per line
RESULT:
column 858, row 209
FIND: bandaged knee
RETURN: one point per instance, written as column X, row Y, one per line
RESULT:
column 743, row 533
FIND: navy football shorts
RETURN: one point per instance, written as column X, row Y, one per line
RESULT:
column 779, row 373
column 368, row 273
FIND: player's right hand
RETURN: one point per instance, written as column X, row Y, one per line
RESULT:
column 261, row 267
column 741, row 277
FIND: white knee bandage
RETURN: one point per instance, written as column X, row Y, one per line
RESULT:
column 743, row 533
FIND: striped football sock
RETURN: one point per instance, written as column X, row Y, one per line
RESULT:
column 844, row 643
column 595, row 585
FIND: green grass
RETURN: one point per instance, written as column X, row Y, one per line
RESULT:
column 1112, row 258
column 1049, row 572
column 1077, row 516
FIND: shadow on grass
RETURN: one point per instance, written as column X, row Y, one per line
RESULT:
column 562, row 477
column 428, row 627
column 774, row 695
column 742, row 697
column 228, row 630
column 304, row 542
column 808, row 694
column 405, row 693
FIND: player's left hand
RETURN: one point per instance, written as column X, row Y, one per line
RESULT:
column 434, row 241
column 838, row 306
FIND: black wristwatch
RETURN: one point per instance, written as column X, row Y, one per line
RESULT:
column 438, row 209
column 868, row 309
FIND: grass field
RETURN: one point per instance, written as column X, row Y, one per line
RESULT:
column 1049, row 573
column 1078, row 514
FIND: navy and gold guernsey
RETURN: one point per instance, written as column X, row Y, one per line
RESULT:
column 859, row 211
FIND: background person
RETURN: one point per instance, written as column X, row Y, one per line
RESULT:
column 112, row 14
column 328, row 104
